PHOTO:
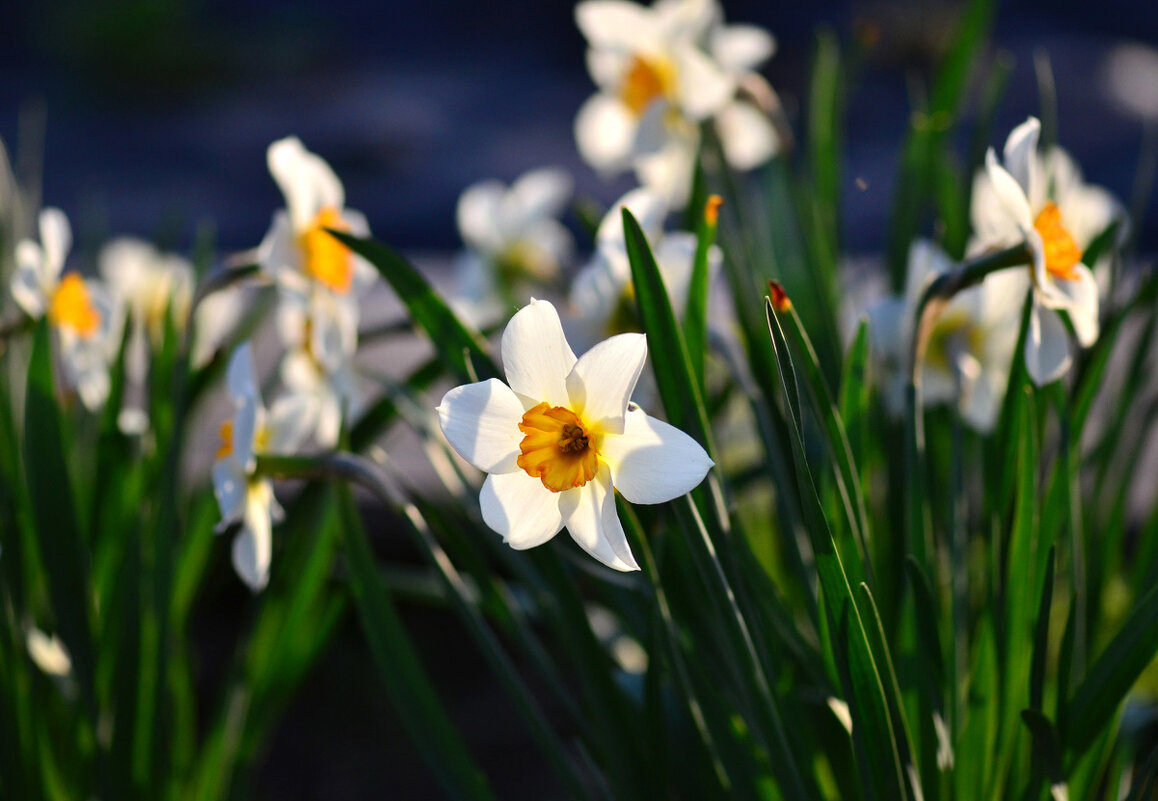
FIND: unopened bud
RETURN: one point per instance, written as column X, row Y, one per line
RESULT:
column 780, row 301
column 712, row 209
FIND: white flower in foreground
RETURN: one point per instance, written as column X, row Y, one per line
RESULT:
column 655, row 85
column 318, row 278
column 83, row 312
column 562, row 437
column 1041, row 200
column 969, row 353
column 513, row 236
column 243, row 496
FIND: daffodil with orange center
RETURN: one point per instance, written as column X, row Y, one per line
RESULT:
column 319, row 279
column 82, row 311
column 561, row 437
column 1040, row 199
column 246, row 498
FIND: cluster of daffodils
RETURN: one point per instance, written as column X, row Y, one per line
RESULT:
column 662, row 72
column 561, row 436
column 1029, row 197
column 1040, row 199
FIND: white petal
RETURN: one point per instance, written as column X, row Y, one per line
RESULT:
column 520, row 508
column 478, row 213
column 675, row 255
column 601, row 383
column 746, row 134
column 536, row 356
column 56, row 239
column 649, row 210
column 481, row 422
column 240, row 376
column 704, row 87
column 981, row 400
column 669, row 171
column 993, row 227
column 1047, row 347
column 247, row 421
column 1021, row 160
column 593, row 522
column 537, row 195
column 253, row 545
column 739, row 48
column 605, row 133
column 229, row 487
column 290, row 421
column 1009, row 192
column 617, row 24
column 28, row 279
column 279, row 252
column 1083, row 306
column 305, row 179
column 652, row 461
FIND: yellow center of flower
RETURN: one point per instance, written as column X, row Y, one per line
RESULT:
column 71, row 307
column 226, row 448
column 955, row 334
column 557, row 448
column 326, row 259
column 1062, row 253
column 645, row 80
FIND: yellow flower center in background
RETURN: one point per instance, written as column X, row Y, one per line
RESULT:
column 644, row 81
column 71, row 307
column 1062, row 253
column 955, row 334
column 326, row 259
column 557, row 448
column 226, row 440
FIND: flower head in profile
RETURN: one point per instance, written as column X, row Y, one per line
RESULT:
column 334, row 392
column 1040, row 199
column 969, row 353
column 82, row 311
column 561, row 437
column 319, row 279
column 244, row 496
column 513, row 238
column 656, row 84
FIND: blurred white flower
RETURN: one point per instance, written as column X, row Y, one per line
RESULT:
column 655, row 86
column 216, row 318
column 48, row 653
column 1040, row 199
column 602, row 295
column 148, row 285
column 318, row 278
column 335, row 392
column 513, row 237
column 563, row 437
column 969, row 353
column 83, row 312
column 244, row 496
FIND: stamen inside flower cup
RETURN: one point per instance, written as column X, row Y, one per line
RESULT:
column 644, row 81
column 557, row 448
column 326, row 259
column 71, row 307
column 1062, row 253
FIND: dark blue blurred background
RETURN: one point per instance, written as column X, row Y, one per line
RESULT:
column 158, row 113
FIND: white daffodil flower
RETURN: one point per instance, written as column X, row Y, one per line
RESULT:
column 969, row 353
column 244, row 496
column 318, row 278
column 83, row 312
column 1040, row 199
column 560, row 437
column 48, row 653
column 655, row 86
column 148, row 285
column 602, row 295
column 335, row 393
column 513, row 236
